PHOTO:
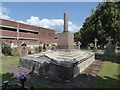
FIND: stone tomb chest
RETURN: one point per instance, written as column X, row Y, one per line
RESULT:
column 58, row 65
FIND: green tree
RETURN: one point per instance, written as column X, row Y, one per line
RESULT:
column 6, row 49
column 104, row 22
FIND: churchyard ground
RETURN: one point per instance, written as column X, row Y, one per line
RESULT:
column 11, row 61
column 108, row 77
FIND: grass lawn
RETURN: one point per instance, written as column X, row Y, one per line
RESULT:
column 109, row 76
column 9, row 61
column 99, row 50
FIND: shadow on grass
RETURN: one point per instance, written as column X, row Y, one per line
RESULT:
column 10, row 77
column 113, row 59
column 106, row 82
column 81, row 81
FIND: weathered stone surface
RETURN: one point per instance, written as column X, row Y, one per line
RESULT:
column 78, row 44
column 110, row 49
column 66, row 41
column 54, row 65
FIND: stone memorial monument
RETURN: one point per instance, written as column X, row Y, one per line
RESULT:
column 64, row 63
column 95, row 47
column 109, row 50
column 66, row 39
column 79, row 43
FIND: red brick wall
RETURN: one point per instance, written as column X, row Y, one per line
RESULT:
column 57, row 37
column 8, row 33
column 8, row 23
column 25, row 26
column 28, row 42
column 46, row 35
column 28, row 35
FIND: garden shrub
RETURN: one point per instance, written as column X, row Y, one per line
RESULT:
column 44, row 47
column 6, row 49
column 39, row 49
column 15, row 52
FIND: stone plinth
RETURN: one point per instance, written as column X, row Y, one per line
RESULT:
column 66, row 41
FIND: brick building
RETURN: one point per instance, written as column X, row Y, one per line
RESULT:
column 15, row 34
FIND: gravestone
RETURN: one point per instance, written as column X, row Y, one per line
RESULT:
column 24, row 45
column 109, row 50
column 79, row 43
column 75, row 45
column 95, row 47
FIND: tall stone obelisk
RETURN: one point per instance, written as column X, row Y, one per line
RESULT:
column 66, row 39
column 65, row 22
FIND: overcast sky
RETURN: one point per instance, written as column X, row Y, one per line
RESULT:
column 48, row 14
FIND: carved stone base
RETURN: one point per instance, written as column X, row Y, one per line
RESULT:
column 58, row 65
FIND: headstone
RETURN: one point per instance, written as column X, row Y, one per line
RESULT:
column 24, row 48
column 88, row 47
column 109, row 50
column 95, row 47
column 75, row 45
column 79, row 43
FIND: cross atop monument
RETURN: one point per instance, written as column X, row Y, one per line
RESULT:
column 95, row 42
column 109, row 39
column 65, row 23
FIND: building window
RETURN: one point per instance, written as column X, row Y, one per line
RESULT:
column 20, row 30
column 56, row 38
column 9, row 29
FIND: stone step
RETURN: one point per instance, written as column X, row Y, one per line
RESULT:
column 68, row 55
column 63, row 58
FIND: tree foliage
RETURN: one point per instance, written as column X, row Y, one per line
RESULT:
column 15, row 52
column 104, row 22
column 6, row 50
